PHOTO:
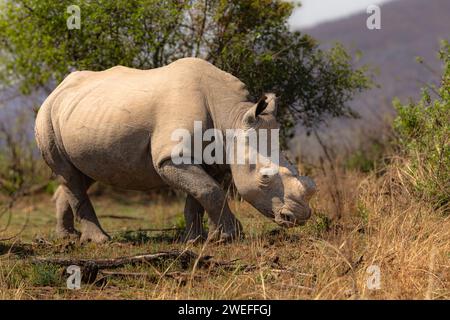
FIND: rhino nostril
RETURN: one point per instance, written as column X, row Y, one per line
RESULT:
column 288, row 217
column 296, row 218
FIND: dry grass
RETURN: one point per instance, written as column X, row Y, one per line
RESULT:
column 374, row 222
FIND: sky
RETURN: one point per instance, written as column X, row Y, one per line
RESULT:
column 313, row 12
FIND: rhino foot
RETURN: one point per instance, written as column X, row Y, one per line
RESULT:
column 94, row 234
column 229, row 237
column 192, row 237
column 67, row 234
column 94, row 237
column 226, row 235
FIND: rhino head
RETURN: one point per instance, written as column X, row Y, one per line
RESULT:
column 275, row 189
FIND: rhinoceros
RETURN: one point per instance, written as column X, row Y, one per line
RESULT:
column 115, row 126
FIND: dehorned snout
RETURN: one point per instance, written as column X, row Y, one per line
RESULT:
column 287, row 218
column 296, row 210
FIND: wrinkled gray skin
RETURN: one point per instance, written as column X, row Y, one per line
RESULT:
column 115, row 127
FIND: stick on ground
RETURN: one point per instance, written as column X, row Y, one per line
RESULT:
column 184, row 256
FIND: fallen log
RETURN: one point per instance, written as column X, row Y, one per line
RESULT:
column 185, row 257
column 91, row 267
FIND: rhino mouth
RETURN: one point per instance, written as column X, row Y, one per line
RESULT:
column 288, row 219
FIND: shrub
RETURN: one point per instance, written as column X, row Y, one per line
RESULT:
column 45, row 275
column 21, row 170
column 366, row 159
column 423, row 138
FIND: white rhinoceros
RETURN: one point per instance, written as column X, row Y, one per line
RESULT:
column 115, row 126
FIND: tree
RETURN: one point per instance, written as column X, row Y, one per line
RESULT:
column 249, row 39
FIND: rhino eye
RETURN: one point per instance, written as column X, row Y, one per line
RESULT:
column 267, row 174
column 268, row 171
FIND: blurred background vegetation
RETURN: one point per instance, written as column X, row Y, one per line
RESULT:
column 250, row 39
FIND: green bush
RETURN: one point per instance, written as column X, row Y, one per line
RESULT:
column 43, row 275
column 367, row 159
column 21, row 170
column 423, row 137
column 135, row 237
column 322, row 223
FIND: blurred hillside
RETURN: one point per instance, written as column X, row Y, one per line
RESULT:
column 409, row 28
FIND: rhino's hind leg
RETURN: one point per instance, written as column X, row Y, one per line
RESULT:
column 223, row 225
column 85, row 214
column 64, row 216
column 75, row 185
column 193, row 214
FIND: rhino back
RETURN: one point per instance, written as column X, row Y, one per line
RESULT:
column 104, row 123
column 115, row 125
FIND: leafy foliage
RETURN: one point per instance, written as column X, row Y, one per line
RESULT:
column 368, row 158
column 249, row 39
column 45, row 275
column 423, row 129
column 20, row 172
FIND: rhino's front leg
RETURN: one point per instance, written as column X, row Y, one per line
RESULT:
column 223, row 225
column 193, row 215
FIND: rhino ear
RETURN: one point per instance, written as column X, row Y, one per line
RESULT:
column 271, row 107
column 261, row 105
column 266, row 104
